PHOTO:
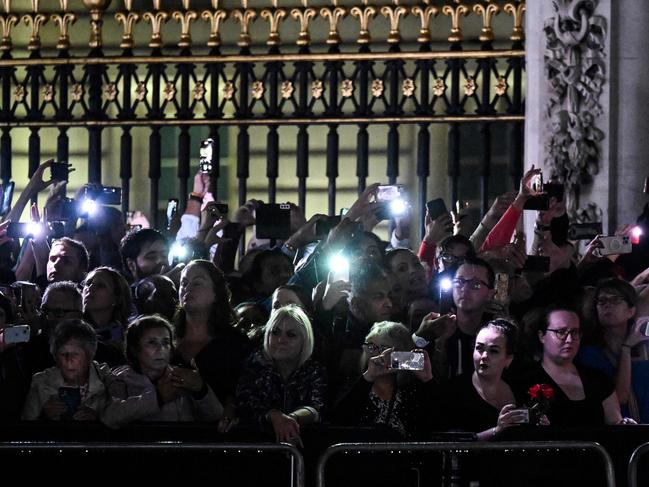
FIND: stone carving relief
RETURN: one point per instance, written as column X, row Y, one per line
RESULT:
column 575, row 69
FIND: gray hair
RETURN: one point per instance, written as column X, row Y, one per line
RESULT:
column 397, row 334
column 74, row 329
column 297, row 314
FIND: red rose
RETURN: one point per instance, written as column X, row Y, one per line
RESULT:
column 547, row 391
column 535, row 391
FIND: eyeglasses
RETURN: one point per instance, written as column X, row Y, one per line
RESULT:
column 374, row 349
column 448, row 257
column 562, row 333
column 612, row 300
column 473, row 284
column 59, row 312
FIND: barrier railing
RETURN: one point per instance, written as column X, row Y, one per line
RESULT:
column 297, row 461
column 632, row 471
column 465, row 447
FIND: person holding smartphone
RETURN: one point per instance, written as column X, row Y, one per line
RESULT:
column 384, row 395
column 481, row 401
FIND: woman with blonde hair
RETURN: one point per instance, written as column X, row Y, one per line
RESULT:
column 281, row 386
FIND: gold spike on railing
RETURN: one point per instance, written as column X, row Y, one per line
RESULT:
column 487, row 13
column 128, row 20
column 34, row 21
column 7, row 6
column 274, row 16
column 364, row 14
column 333, row 15
column 155, row 19
column 7, row 21
column 215, row 18
column 185, row 19
column 456, row 12
column 304, row 16
column 425, row 13
column 244, row 17
column 63, row 20
column 517, row 11
column 394, row 14
column 64, row 5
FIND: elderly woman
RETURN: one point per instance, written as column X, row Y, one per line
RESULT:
column 149, row 389
column 582, row 396
column 481, row 401
column 613, row 348
column 385, row 396
column 74, row 388
column 281, row 386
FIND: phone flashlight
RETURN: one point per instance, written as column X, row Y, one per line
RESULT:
column 178, row 251
column 339, row 266
column 398, row 207
column 636, row 233
column 34, row 229
column 446, row 284
column 88, row 207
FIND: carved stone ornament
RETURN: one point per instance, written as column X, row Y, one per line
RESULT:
column 575, row 69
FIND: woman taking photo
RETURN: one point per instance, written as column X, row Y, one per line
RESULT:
column 481, row 401
column 207, row 339
column 281, row 386
column 149, row 389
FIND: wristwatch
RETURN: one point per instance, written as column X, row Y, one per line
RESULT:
column 419, row 341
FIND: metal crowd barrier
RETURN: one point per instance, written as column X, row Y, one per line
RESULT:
column 464, row 446
column 632, row 471
column 297, row 461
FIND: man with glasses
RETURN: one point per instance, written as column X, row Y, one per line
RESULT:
column 450, row 338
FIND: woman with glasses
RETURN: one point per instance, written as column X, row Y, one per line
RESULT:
column 384, row 396
column 582, row 396
column 615, row 346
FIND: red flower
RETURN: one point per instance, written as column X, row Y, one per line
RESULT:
column 547, row 391
column 541, row 392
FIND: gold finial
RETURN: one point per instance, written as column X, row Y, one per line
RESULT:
column 97, row 8
column 185, row 4
column 128, row 20
column 487, row 13
column 156, row 4
column 214, row 18
column 333, row 15
column 274, row 17
column 455, row 13
column 215, row 4
column 364, row 15
column 155, row 19
column 517, row 11
column 7, row 21
column 128, row 5
column 394, row 14
column 64, row 21
column 35, row 21
column 7, row 5
column 303, row 15
column 63, row 4
column 424, row 14
column 185, row 19
column 244, row 17
column 35, row 5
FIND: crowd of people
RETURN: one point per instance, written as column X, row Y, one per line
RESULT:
column 120, row 332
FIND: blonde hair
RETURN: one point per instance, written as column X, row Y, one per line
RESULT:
column 297, row 314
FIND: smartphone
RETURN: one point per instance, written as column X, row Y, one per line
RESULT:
column 71, row 397
column 525, row 415
column 22, row 229
column 15, row 334
column 324, row 226
column 60, row 171
column 386, row 194
column 273, row 220
column 542, row 201
column 105, row 195
column 7, row 197
column 436, row 208
column 537, row 263
column 206, row 156
column 223, row 208
column 584, row 231
column 407, row 361
column 172, row 208
column 613, row 245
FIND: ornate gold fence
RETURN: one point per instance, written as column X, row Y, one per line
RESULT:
column 217, row 65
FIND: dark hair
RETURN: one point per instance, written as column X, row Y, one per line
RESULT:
column 123, row 299
column 363, row 273
column 221, row 315
column 470, row 260
column 457, row 240
column 78, row 247
column 302, row 295
column 5, row 304
column 356, row 242
column 621, row 287
column 392, row 253
column 74, row 329
column 134, row 334
column 253, row 275
column 133, row 242
column 508, row 329
column 69, row 287
column 559, row 306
